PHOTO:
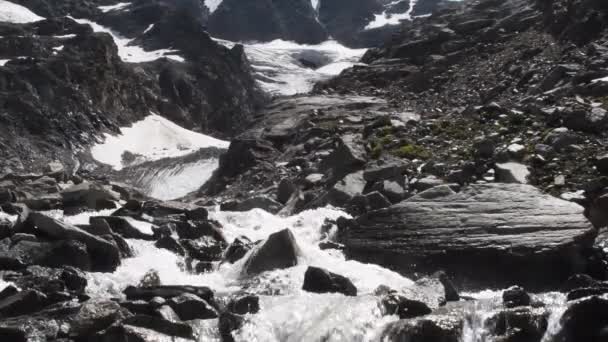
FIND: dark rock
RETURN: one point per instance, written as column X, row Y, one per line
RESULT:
column 96, row 315
column 319, row 280
column 17, row 254
column 237, row 249
column 244, row 305
column 585, row 320
column 189, row 306
column 257, row 202
column 150, row 279
column 280, row 250
column 22, row 303
column 192, row 230
column 167, row 291
column 349, row 156
column 161, row 325
column 90, row 196
column 395, row 304
column 384, row 172
column 104, row 255
column 121, row 226
column 429, row 328
column 515, row 296
column 519, row 324
column 602, row 163
column 541, row 228
column 285, row 190
column 204, row 249
column 170, row 244
column 229, row 322
column 347, row 188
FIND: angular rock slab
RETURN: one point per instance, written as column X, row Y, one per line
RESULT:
column 486, row 234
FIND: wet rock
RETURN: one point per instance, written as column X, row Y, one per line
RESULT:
column 285, row 190
column 15, row 254
column 229, row 322
column 167, row 291
column 244, row 304
column 90, row 196
column 170, row 244
column 204, row 249
column 150, row 279
column 22, row 303
column 192, row 230
column 121, row 226
column 486, row 218
column 585, row 320
column 278, row 251
column 189, row 306
column 395, row 304
column 515, row 296
column 96, row 315
column 257, row 202
column 237, row 249
column 519, row 324
column 104, row 255
column 160, row 325
column 319, row 280
column 602, row 164
column 376, row 200
column 49, row 280
column 429, row 328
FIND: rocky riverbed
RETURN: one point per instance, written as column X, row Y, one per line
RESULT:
column 445, row 179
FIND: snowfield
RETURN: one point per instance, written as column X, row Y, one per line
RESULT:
column 17, row 14
column 131, row 53
column 152, row 138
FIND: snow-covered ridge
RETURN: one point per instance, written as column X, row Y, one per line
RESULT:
column 118, row 6
column 13, row 13
column 132, row 53
column 152, row 138
column 212, row 5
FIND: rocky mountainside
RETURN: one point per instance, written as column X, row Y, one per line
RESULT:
column 65, row 81
column 311, row 22
column 417, row 196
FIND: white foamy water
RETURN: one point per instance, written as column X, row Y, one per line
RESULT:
column 328, row 317
column 132, row 53
column 116, row 7
column 279, row 66
column 152, row 138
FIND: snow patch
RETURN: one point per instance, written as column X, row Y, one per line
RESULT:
column 65, row 36
column 4, row 61
column 13, row 13
column 132, row 53
column 116, row 7
column 150, row 27
column 212, row 4
column 153, row 138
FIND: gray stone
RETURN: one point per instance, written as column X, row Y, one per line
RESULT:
column 280, row 250
column 511, row 172
column 486, row 233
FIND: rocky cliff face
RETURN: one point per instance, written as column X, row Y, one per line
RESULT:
column 298, row 20
column 64, row 83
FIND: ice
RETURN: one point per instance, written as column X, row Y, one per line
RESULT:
column 212, row 4
column 177, row 181
column 13, row 13
column 118, row 6
column 132, row 53
column 281, row 73
column 153, row 138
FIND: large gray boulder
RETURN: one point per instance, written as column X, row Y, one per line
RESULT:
column 489, row 234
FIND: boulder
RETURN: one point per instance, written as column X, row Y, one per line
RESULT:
column 189, row 306
column 347, row 188
column 319, row 280
column 121, row 226
column 285, row 190
column 585, row 320
column 601, row 163
column 170, row 244
column 486, row 233
column 229, row 322
column 429, row 328
column 105, row 256
column 278, row 251
column 96, row 315
column 395, row 304
column 237, row 249
column 519, row 324
column 168, row 291
column 244, row 304
column 15, row 254
column 515, row 296
column 22, row 303
column 204, row 249
column 160, row 325
column 257, row 202
column 89, row 195
column 349, row 156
